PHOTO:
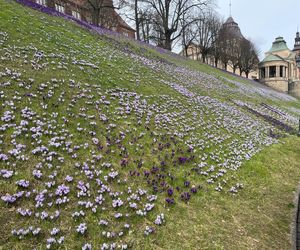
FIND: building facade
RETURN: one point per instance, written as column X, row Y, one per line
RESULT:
column 279, row 68
column 80, row 9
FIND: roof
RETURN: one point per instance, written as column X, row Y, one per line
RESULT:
column 230, row 20
column 278, row 45
column 271, row 58
column 122, row 23
column 233, row 27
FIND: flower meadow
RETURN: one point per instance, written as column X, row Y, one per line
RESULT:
column 99, row 139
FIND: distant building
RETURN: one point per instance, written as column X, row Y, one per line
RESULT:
column 194, row 52
column 297, row 51
column 279, row 68
column 232, row 27
column 79, row 9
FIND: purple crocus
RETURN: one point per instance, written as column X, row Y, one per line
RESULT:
column 23, row 183
column 187, row 183
column 194, row 190
column 170, row 191
column 62, row 190
column 185, row 196
column 170, row 201
column 81, row 228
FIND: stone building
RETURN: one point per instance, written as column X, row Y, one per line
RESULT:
column 279, row 68
column 79, row 9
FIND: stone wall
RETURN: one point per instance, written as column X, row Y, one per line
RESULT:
column 294, row 89
column 280, row 85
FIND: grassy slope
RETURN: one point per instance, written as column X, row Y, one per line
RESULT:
column 258, row 217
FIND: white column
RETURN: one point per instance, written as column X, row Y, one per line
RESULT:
column 277, row 71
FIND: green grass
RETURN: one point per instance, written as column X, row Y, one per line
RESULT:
column 257, row 217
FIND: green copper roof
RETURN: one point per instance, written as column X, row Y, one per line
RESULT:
column 270, row 58
column 278, row 45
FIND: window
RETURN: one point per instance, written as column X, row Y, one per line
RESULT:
column 60, row 8
column 272, row 72
column 281, row 71
column 76, row 14
column 41, row 2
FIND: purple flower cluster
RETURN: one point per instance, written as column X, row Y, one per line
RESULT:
column 79, row 152
column 62, row 190
column 22, row 232
column 23, row 183
column 81, row 228
column 6, row 173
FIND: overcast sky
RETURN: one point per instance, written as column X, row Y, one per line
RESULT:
column 264, row 20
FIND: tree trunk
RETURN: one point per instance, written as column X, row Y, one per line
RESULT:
column 96, row 16
column 186, row 51
column 137, row 20
column 203, row 57
column 216, row 62
column 168, row 42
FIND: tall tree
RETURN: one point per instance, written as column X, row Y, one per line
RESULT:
column 216, row 51
column 225, row 41
column 136, row 12
column 188, row 36
column 145, row 26
column 137, row 19
column 208, row 26
column 97, row 7
column 168, row 15
column 103, row 11
column 235, row 53
column 249, row 57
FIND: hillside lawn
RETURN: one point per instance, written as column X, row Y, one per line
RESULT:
column 259, row 216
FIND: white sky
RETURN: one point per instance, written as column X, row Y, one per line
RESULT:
column 264, row 20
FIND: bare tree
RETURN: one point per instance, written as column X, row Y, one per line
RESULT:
column 136, row 11
column 216, row 51
column 137, row 19
column 103, row 11
column 249, row 57
column 235, row 53
column 167, row 18
column 97, row 8
column 145, row 26
column 208, row 26
column 188, row 36
column 225, row 41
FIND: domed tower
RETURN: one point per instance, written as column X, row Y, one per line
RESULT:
column 278, row 68
column 297, row 51
column 233, row 27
